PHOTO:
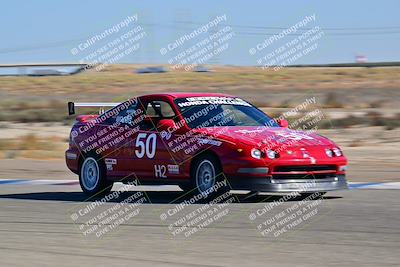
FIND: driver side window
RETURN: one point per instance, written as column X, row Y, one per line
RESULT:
column 159, row 109
column 155, row 111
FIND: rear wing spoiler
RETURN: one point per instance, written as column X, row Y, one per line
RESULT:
column 72, row 105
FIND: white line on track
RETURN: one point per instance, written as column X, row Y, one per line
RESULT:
column 358, row 185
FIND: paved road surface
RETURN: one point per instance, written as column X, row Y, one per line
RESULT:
column 358, row 227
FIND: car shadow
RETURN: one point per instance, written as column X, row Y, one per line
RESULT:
column 152, row 197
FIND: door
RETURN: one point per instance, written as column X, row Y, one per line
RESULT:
column 116, row 136
column 152, row 158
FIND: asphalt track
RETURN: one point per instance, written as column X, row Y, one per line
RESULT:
column 357, row 227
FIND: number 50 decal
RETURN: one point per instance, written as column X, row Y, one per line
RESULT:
column 148, row 146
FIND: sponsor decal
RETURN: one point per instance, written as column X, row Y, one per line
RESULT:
column 248, row 131
column 212, row 100
column 210, row 142
column 109, row 163
column 129, row 118
column 294, row 136
column 305, row 154
column 159, row 171
column 173, row 169
column 165, row 135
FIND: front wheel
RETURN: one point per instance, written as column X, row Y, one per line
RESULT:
column 93, row 177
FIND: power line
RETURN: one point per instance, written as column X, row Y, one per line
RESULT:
column 38, row 46
column 328, row 34
column 302, row 28
column 361, row 31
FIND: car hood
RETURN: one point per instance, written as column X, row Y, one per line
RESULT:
column 267, row 136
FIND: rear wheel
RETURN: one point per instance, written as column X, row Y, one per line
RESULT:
column 93, row 178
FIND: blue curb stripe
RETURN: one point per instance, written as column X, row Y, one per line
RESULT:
column 12, row 181
column 362, row 185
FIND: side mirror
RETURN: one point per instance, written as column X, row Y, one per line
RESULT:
column 167, row 126
column 282, row 123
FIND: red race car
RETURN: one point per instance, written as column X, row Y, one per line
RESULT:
column 205, row 143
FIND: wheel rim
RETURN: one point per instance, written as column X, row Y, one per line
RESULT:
column 90, row 173
column 205, row 176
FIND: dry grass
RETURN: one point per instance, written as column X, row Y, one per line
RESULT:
column 43, row 99
column 123, row 79
column 332, row 101
column 30, row 146
column 373, row 118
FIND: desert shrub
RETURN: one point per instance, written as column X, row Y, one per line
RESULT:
column 286, row 103
column 325, row 124
column 376, row 104
column 370, row 119
column 11, row 154
column 375, row 118
column 332, row 101
column 349, row 121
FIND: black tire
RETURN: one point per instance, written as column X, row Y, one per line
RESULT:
column 207, row 178
column 93, row 176
column 316, row 196
column 187, row 187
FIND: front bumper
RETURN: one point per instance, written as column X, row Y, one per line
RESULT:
column 269, row 184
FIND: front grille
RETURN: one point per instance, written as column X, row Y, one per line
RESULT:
column 302, row 176
column 310, row 168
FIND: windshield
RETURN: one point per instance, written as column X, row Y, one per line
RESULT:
column 199, row 112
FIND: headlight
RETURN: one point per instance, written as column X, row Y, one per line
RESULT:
column 271, row 154
column 337, row 152
column 255, row 153
column 328, row 152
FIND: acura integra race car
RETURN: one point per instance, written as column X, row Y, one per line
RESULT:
column 205, row 143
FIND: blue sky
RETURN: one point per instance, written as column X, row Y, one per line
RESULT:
column 46, row 31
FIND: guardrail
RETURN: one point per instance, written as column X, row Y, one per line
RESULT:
column 41, row 69
column 348, row 65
